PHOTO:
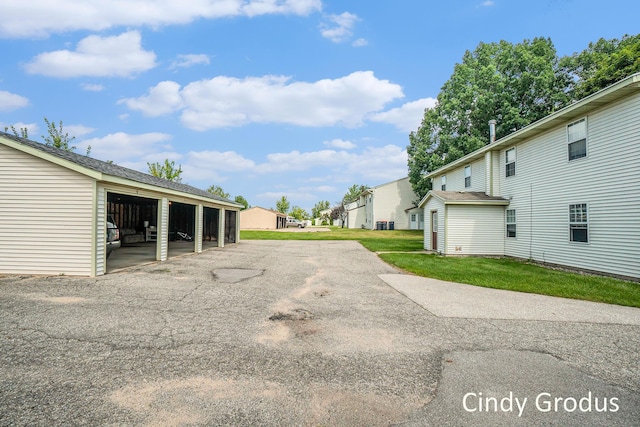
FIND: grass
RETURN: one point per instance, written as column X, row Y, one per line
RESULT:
column 521, row 276
column 498, row 273
column 374, row 240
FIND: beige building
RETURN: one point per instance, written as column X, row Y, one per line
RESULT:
column 257, row 218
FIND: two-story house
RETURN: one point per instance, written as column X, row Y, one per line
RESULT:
column 391, row 204
column 564, row 190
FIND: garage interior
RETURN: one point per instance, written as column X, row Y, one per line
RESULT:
column 137, row 217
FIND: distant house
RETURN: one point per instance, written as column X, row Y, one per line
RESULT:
column 564, row 190
column 388, row 205
column 257, row 218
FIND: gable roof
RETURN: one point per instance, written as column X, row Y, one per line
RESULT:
column 463, row 198
column 280, row 214
column 576, row 110
column 102, row 170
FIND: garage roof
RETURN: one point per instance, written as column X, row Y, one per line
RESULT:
column 104, row 168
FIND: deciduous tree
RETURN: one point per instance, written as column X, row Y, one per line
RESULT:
column 166, row 170
column 218, row 191
column 283, row 205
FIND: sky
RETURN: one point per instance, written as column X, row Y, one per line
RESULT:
column 264, row 98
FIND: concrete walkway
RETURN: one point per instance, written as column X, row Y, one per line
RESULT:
column 447, row 299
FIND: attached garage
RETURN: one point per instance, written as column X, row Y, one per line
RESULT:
column 54, row 205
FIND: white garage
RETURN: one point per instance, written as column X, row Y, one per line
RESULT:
column 54, row 204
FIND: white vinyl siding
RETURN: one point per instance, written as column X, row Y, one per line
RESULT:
column 606, row 180
column 46, row 217
column 389, row 203
column 101, row 231
column 471, row 230
column 456, row 178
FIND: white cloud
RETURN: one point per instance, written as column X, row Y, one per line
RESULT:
column 43, row 17
column 340, row 27
column 189, row 60
column 78, row 130
column 406, row 118
column 10, row 101
column 164, row 98
column 228, row 102
column 92, row 87
column 122, row 147
column 116, row 56
column 339, row 143
column 488, row 3
column 379, row 164
column 360, row 43
column 32, row 128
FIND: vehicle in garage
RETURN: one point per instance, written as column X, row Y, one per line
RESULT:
column 113, row 235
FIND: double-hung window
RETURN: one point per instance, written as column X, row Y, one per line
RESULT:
column 443, row 183
column 577, row 139
column 467, row 176
column 511, row 222
column 578, row 223
column 510, row 162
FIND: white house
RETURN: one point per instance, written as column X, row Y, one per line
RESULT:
column 564, row 190
column 54, row 206
column 391, row 204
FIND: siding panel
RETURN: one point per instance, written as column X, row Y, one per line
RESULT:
column 46, row 217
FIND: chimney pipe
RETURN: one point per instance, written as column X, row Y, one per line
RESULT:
column 492, row 131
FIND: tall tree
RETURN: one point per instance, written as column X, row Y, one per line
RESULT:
column 513, row 84
column 353, row 193
column 601, row 64
column 218, row 191
column 166, row 170
column 57, row 137
column 283, row 205
column 298, row 213
column 319, row 207
column 242, row 201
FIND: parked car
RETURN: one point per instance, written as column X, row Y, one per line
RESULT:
column 113, row 235
column 296, row 223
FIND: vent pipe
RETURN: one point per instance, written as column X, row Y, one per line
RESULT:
column 492, row 131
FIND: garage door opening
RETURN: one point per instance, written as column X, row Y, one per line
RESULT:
column 136, row 219
column 182, row 225
column 210, row 221
column 230, row 225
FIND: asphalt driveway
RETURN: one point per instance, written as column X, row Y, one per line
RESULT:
column 298, row 333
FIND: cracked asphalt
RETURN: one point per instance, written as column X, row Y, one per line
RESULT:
column 300, row 333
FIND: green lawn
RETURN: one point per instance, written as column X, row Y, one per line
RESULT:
column 374, row 240
column 499, row 273
column 521, row 276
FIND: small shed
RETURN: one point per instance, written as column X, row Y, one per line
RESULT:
column 54, row 206
column 258, row 218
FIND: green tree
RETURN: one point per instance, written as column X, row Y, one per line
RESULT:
column 242, row 201
column 298, row 213
column 353, row 193
column 218, row 191
column 283, row 205
column 513, row 84
column 166, row 170
column 319, row 207
column 601, row 64
column 24, row 132
column 57, row 137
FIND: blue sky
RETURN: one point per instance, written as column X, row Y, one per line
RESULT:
column 264, row 98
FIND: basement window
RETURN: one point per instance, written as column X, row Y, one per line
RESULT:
column 577, row 139
column 578, row 223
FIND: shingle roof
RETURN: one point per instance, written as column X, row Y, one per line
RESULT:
column 115, row 170
column 466, row 196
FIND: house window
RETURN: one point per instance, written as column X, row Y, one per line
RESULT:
column 511, row 223
column 577, row 139
column 443, row 183
column 578, row 223
column 510, row 159
column 467, row 176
